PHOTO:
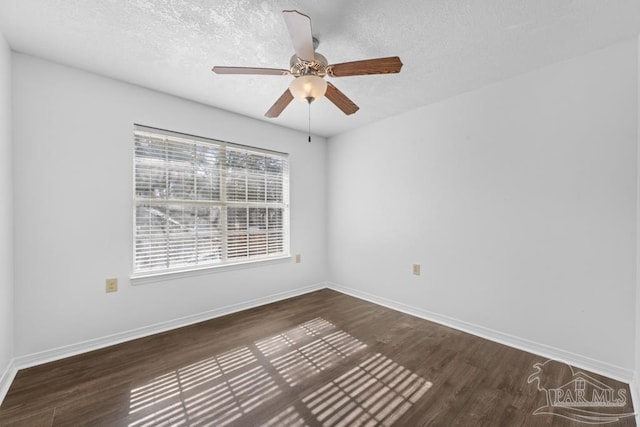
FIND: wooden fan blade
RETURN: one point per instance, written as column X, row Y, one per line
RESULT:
column 340, row 100
column 391, row 64
column 251, row 70
column 279, row 105
column 299, row 26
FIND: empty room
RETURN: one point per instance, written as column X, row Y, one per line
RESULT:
column 296, row 213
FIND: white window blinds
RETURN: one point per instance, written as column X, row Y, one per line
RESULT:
column 202, row 202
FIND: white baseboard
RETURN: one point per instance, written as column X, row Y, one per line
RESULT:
column 30, row 360
column 7, row 378
column 549, row 352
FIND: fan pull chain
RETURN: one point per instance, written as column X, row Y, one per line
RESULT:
column 309, row 121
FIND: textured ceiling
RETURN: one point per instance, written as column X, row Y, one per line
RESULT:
column 447, row 46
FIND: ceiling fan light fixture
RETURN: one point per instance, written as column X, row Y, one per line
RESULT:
column 309, row 69
column 308, row 88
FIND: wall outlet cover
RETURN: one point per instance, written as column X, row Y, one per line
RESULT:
column 416, row 269
column 111, row 285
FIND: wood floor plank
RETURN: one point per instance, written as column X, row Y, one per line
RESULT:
column 321, row 359
column 37, row 418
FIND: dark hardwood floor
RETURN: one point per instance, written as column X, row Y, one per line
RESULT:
column 321, row 359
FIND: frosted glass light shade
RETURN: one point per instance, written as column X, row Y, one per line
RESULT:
column 308, row 88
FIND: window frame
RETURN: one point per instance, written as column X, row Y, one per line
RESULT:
column 223, row 203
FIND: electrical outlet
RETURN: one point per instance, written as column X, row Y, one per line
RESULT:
column 111, row 285
column 298, row 258
column 416, row 269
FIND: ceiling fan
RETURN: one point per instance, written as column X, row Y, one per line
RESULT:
column 309, row 69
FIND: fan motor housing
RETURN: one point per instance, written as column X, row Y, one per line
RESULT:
column 300, row 67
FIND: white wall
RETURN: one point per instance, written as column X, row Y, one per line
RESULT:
column 635, row 387
column 518, row 200
column 73, row 208
column 6, row 214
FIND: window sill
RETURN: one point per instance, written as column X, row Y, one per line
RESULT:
column 151, row 277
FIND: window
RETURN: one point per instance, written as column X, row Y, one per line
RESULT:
column 201, row 202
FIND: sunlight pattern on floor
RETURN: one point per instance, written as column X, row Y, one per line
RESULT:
column 328, row 346
column 209, row 392
column 188, row 377
column 161, row 388
column 294, row 336
column 224, row 388
column 287, row 418
column 376, row 392
column 223, row 403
